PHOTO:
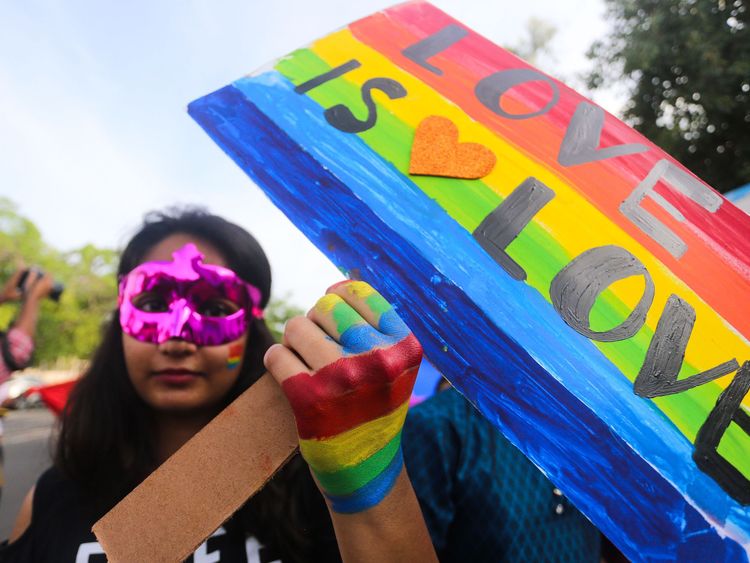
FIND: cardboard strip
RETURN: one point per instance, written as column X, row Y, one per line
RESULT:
column 197, row 489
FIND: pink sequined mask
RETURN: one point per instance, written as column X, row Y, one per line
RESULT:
column 187, row 299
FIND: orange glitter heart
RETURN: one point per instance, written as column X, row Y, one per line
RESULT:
column 437, row 152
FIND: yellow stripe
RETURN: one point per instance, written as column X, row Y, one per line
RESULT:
column 574, row 222
column 360, row 289
column 353, row 446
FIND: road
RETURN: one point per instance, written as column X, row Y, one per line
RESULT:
column 27, row 445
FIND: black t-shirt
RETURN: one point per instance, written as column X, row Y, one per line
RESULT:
column 60, row 532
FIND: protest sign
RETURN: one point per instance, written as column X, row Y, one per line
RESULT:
column 586, row 292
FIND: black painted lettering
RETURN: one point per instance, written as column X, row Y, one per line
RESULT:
column 728, row 409
column 342, row 118
column 430, row 46
column 579, row 146
column 684, row 183
column 490, row 90
column 508, row 219
column 666, row 352
column 575, row 288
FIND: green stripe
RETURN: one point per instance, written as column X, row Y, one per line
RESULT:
column 378, row 304
column 352, row 478
column 345, row 317
column 468, row 202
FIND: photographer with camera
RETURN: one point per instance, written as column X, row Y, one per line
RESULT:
column 30, row 287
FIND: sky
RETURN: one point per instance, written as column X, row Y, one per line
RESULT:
column 93, row 124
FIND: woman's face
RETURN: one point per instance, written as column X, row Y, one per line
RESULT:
column 178, row 376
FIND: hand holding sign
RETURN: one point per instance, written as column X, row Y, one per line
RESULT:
column 347, row 370
column 349, row 385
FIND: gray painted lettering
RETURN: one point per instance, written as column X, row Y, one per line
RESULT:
column 685, row 184
column 434, row 44
column 490, row 89
column 728, row 409
column 575, row 288
column 666, row 352
column 579, row 146
column 508, row 219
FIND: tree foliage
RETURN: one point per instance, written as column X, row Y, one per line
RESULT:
column 687, row 63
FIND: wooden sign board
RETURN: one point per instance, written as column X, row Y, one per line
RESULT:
column 586, row 292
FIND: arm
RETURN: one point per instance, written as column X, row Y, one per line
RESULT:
column 35, row 289
column 10, row 291
column 23, row 520
column 392, row 530
column 347, row 370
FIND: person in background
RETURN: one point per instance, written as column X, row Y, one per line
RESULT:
column 17, row 344
column 482, row 499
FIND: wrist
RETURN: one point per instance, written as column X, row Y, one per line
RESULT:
column 356, row 469
column 353, row 496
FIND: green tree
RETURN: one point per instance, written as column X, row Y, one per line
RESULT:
column 687, row 66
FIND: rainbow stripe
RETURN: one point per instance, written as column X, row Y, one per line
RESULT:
column 565, row 400
column 235, row 355
column 349, row 423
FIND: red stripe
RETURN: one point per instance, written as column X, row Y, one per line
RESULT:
column 353, row 390
column 717, row 263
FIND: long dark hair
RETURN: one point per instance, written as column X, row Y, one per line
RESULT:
column 105, row 443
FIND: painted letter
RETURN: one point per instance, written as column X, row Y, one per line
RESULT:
column 685, row 184
column 579, row 146
column 728, row 409
column 490, row 89
column 430, row 46
column 658, row 375
column 342, row 118
column 326, row 76
column 508, row 219
column 575, row 288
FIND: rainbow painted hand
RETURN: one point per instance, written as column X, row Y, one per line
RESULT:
column 349, row 385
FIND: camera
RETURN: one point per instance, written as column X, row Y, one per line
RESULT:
column 54, row 293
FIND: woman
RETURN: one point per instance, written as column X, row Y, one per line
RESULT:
column 187, row 339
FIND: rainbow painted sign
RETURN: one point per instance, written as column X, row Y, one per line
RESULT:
column 586, row 292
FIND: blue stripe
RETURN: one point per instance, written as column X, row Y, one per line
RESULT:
column 515, row 381
column 373, row 492
column 363, row 338
column 738, row 193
